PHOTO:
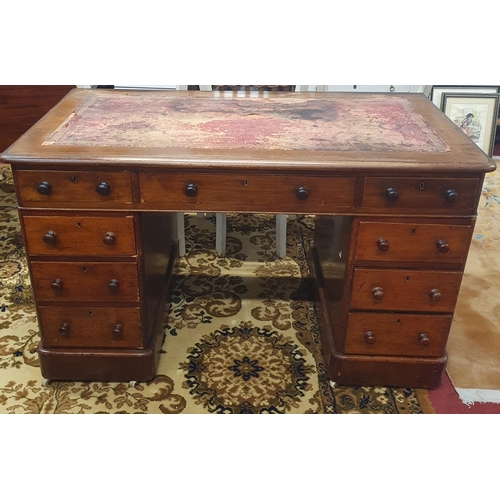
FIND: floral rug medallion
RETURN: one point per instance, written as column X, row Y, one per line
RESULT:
column 247, row 369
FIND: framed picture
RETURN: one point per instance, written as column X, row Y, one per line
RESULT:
column 476, row 115
column 438, row 91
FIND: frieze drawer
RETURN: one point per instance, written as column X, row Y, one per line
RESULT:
column 86, row 189
column 85, row 281
column 74, row 235
column 421, row 195
column 390, row 334
column 296, row 194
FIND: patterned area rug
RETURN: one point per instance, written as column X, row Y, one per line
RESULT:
column 241, row 335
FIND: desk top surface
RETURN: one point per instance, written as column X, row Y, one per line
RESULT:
column 334, row 131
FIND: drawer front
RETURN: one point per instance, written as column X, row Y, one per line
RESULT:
column 91, row 189
column 111, row 327
column 406, row 242
column 397, row 334
column 200, row 192
column 85, row 281
column 403, row 290
column 421, row 195
column 72, row 235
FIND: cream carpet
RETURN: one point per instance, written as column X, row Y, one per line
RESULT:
column 474, row 342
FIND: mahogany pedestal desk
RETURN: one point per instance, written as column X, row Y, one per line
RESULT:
column 394, row 185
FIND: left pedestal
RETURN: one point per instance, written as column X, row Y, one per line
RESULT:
column 101, row 282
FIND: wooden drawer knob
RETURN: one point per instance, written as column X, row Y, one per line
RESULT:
column 50, row 237
column 117, row 331
column 302, row 193
column 423, row 339
column 44, row 188
column 383, row 245
column 56, row 285
column 442, row 246
column 64, row 328
column 378, row 293
column 191, row 190
column 109, row 239
column 113, row 285
column 103, row 188
column 370, row 338
column 435, row 294
column 450, row 196
column 391, row 194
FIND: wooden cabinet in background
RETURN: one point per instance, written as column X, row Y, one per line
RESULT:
column 21, row 106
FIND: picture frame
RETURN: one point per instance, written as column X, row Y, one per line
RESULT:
column 437, row 91
column 476, row 115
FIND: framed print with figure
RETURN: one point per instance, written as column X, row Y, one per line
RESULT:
column 438, row 91
column 476, row 115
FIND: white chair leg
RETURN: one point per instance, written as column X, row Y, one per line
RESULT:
column 220, row 234
column 181, row 235
column 281, row 235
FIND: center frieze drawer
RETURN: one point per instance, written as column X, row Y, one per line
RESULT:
column 301, row 194
column 85, row 281
column 66, row 188
column 74, row 235
column 392, row 334
column 423, row 195
column 404, row 290
column 409, row 242
column 89, row 327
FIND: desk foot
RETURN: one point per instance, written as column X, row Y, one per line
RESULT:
column 98, row 366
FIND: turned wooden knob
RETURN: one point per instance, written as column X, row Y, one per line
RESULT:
column 117, row 331
column 103, row 188
column 191, row 190
column 50, row 237
column 391, row 194
column 383, row 245
column 56, row 285
column 442, row 246
column 44, row 188
column 109, row 239
column 64, row 328
column 378, row 293
column 435, row 294
column 370, row 338
column 423, row 339
column 113, row 285
column 302, row 193
column 450, row 196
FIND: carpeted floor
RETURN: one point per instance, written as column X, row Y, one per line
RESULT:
column 241, row 335
column 474, row 342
